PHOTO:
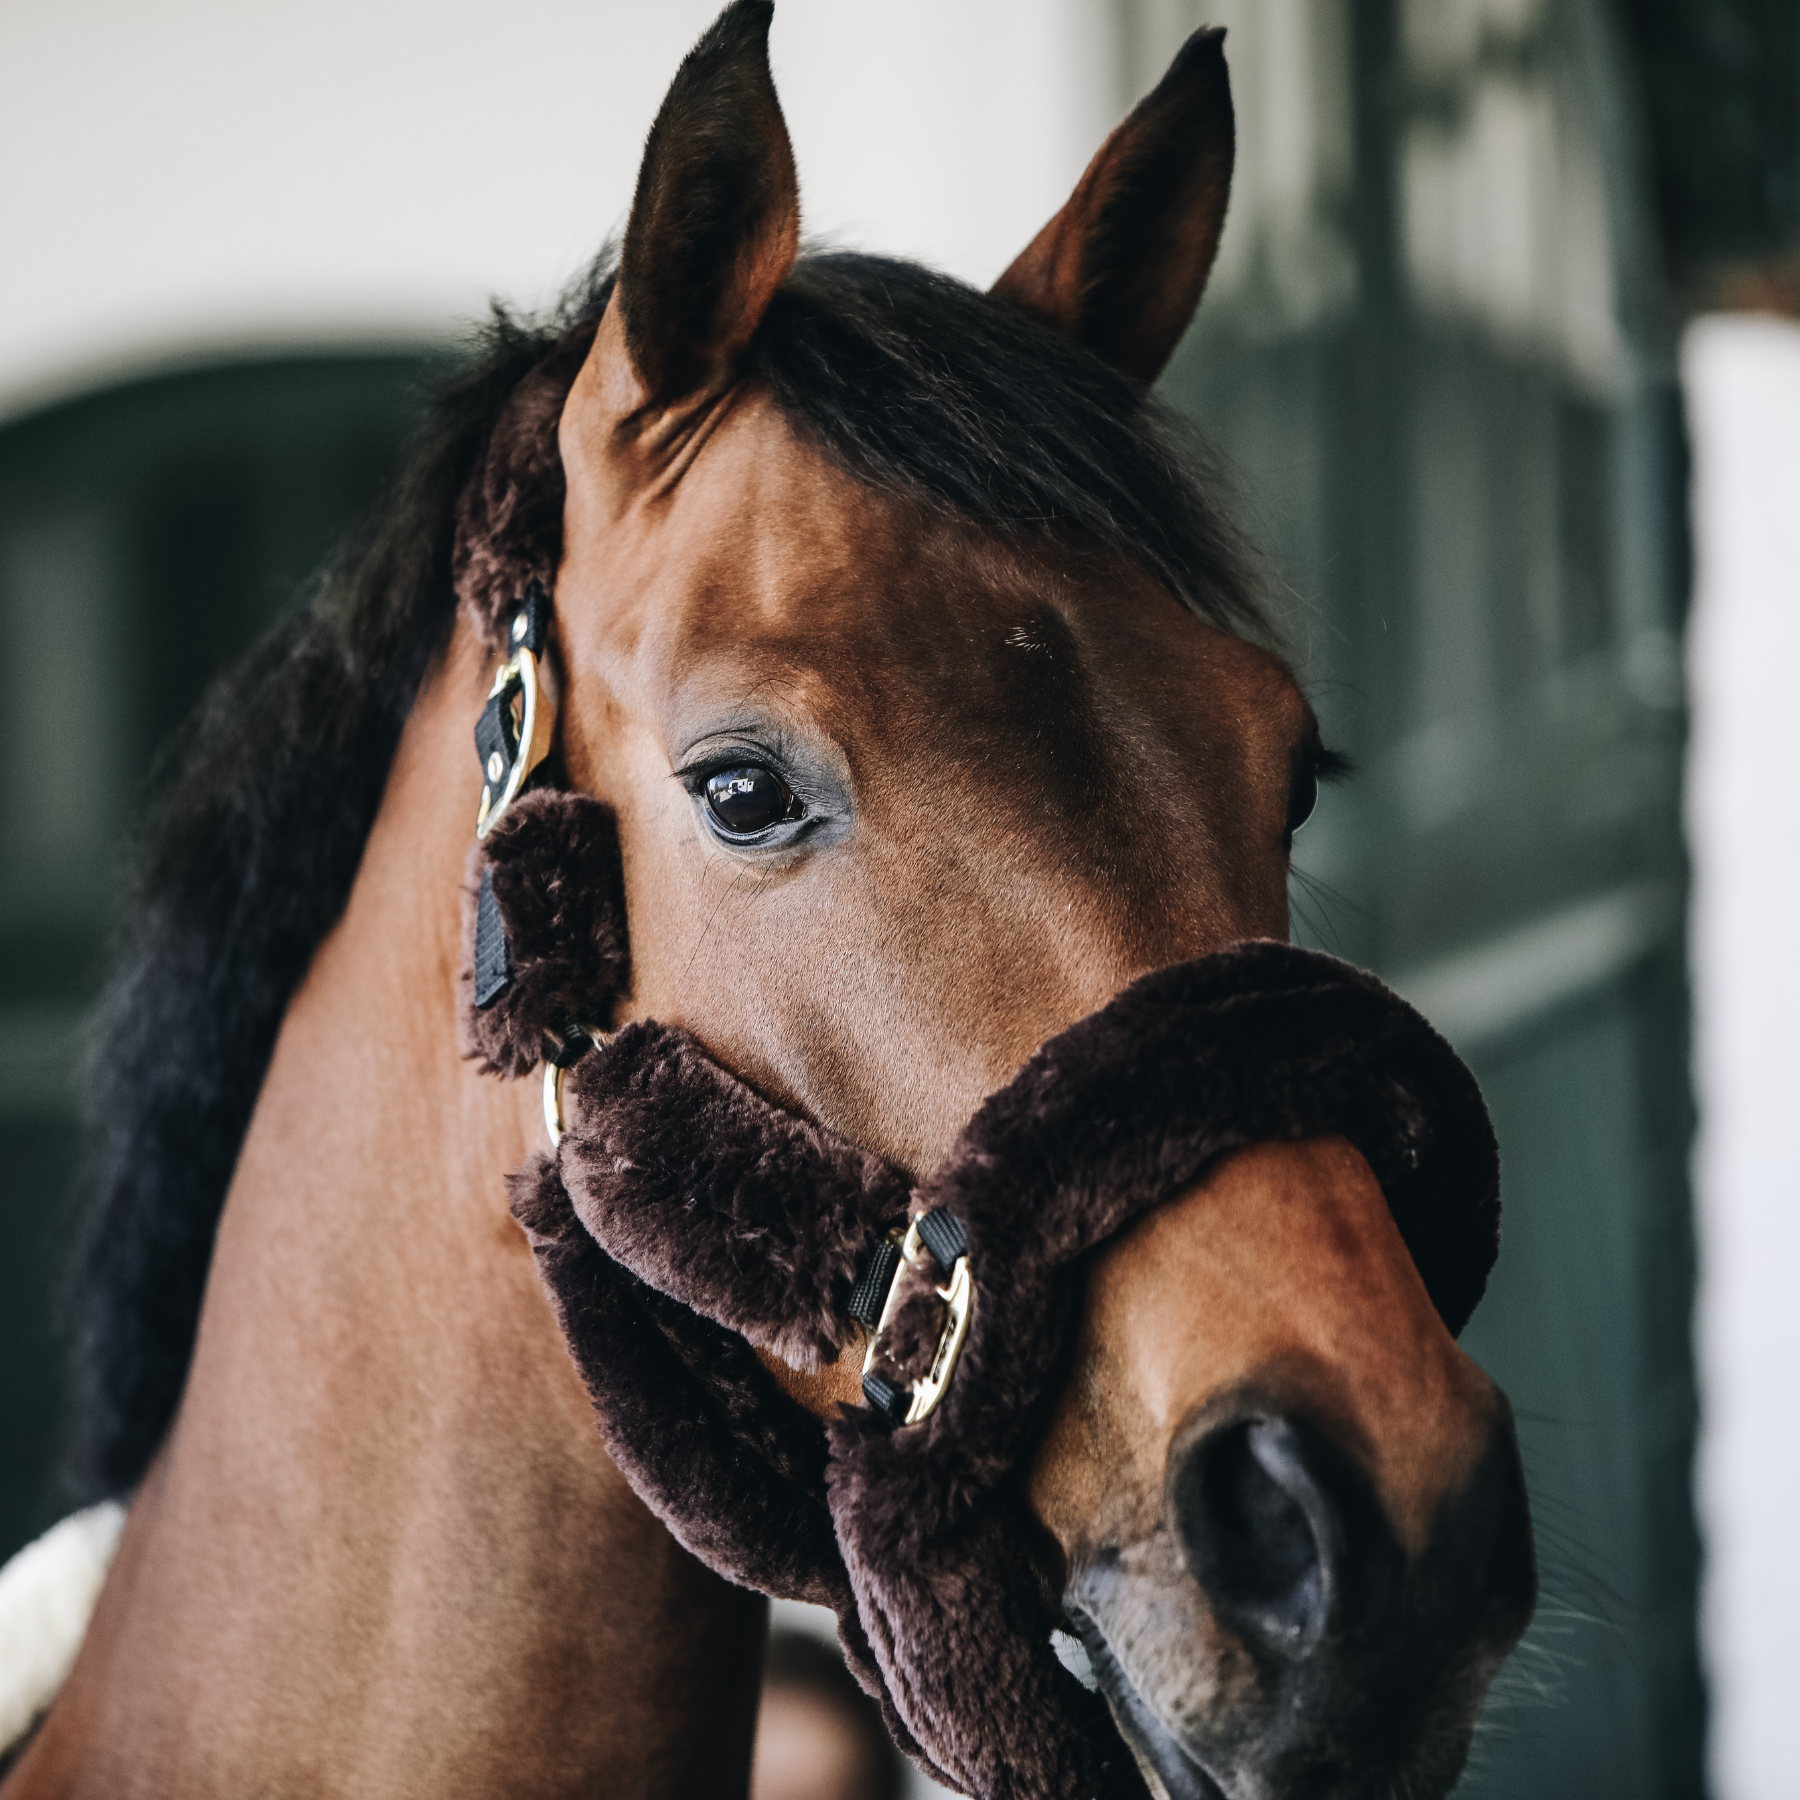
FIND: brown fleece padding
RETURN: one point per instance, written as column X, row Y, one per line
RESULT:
column 675, row 1176
column 509, row 520
column 747, row 1213
column 696, row 1423
column 554, row 857
column 708, row 1440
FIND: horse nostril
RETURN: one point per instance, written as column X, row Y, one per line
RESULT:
column 1258, row 1531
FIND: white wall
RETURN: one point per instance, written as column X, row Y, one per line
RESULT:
column 186, row 175
column 1742, row 378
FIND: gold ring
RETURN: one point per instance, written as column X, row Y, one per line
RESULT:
column 553, row 1083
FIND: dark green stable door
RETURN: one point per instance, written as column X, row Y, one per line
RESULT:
column 148, row 533
column 1419, row 355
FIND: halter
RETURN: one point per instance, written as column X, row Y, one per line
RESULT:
column 513, row 737
column 681, row 1222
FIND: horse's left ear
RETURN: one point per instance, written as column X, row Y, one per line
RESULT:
column 1122, row 266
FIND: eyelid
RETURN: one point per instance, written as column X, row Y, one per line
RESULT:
column 693, row 775
column 819, row 792
column 782, row 835
column 812, row 769
column 752, row 738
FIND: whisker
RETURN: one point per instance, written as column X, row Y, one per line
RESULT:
column 1321, row 888
column 712, row 918
column 1313, row 902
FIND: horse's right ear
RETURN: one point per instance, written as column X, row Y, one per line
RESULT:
column 715, row 224
column 1123, row 265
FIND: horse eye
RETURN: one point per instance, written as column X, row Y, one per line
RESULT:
column 1303, row 796
column 748, row 800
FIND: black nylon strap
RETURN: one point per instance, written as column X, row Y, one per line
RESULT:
column 887, row 1399
column 493, row 963
column 565, row 1045
column 874, row 1276
column 531, row 623
column 941, row 1232
column 493, row 733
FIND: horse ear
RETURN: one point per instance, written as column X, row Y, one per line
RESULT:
column 715, row 224
column 1122, row 266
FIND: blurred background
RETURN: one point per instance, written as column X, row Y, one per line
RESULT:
column 1498, row 346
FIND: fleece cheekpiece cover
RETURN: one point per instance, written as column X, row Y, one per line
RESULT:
column 685, row 1221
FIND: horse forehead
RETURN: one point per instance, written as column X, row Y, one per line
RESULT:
column 764, row 507
column 793, row 571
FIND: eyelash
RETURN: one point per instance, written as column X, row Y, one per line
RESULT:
column 1321, row 766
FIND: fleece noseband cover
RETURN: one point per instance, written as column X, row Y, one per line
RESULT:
column 684, row 1222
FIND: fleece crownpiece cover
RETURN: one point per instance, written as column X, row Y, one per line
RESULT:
column 684, row 1221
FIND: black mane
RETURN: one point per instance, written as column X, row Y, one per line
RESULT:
column 925, row 387
column 910, row 381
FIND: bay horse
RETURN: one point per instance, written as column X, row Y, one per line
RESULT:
column 933, row 581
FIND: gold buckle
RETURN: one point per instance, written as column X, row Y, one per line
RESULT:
column 553, row 1082
column 959, row 1302
column 532, row 732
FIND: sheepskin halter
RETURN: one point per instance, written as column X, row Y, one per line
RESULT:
column 682, row 1222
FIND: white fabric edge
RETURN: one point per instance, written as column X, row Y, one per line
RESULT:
column 47, row 1596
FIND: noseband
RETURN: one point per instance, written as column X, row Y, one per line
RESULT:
column 681, row 1222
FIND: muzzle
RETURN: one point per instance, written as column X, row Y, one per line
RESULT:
column 683, row 1222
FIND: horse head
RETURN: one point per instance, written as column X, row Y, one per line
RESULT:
column 923, row 771
column 933, row 706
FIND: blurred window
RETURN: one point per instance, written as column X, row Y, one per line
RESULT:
column 818, row 1735
column 1430, row 353
column 148, row 534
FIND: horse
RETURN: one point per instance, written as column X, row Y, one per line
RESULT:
column 908, row 643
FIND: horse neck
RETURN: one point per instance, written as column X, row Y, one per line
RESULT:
column 383, row 1550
